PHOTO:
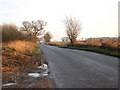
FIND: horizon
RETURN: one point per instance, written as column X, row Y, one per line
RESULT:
column 96, row 20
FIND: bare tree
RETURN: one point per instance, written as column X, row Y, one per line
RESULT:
column 47, row 37
column 72, row 29
column 35, row 28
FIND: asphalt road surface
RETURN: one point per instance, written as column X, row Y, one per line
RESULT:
column 72, row 68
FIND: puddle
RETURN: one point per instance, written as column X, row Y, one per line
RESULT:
column 38, row 75
column 44, row 66
column 8, row 84
column 34, row 74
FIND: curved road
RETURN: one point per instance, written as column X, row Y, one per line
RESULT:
column 72, row 68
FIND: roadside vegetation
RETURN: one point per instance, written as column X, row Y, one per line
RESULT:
column 36, row 51
column 105, row 47
column 11, row 32
column 20, row 52
column 73, row 29
column 18, row 57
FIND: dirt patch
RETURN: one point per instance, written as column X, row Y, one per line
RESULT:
column 26, row 81
column 23, row 80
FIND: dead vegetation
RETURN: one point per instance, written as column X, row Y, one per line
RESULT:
column 22, row 46
column 17, row 59
column 109, row 44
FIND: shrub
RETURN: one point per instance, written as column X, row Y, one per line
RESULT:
column 11, row 33
column 111, row 45
column 94, row 43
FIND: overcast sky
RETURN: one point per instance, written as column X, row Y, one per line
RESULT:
column 99, row 18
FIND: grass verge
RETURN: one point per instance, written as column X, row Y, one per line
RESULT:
column 36, row 51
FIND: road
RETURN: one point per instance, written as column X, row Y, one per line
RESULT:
column 72, row 68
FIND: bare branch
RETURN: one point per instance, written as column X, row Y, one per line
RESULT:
column 35, row 28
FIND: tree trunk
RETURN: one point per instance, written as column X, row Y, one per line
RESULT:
column 71, row 42
column 74, row 41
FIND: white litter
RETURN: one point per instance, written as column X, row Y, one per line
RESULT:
column 44, row 66
column 8, row 84
column 40, row 67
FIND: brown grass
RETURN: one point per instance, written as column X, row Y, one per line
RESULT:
column 15, row 54
column 22, row 46
column 110, row 44
column 17, row 58
column 58, row 43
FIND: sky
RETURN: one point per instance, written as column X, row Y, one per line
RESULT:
column 98, row 18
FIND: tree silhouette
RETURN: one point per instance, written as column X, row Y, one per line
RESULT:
column 47, row 37
column 35, row 28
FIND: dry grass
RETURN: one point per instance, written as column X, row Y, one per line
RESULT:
column 103, row 43
column 110, row 47
column 15, row 54
column 17, row 58
column 22, row 46
column 58, row 43
column 111, row 44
